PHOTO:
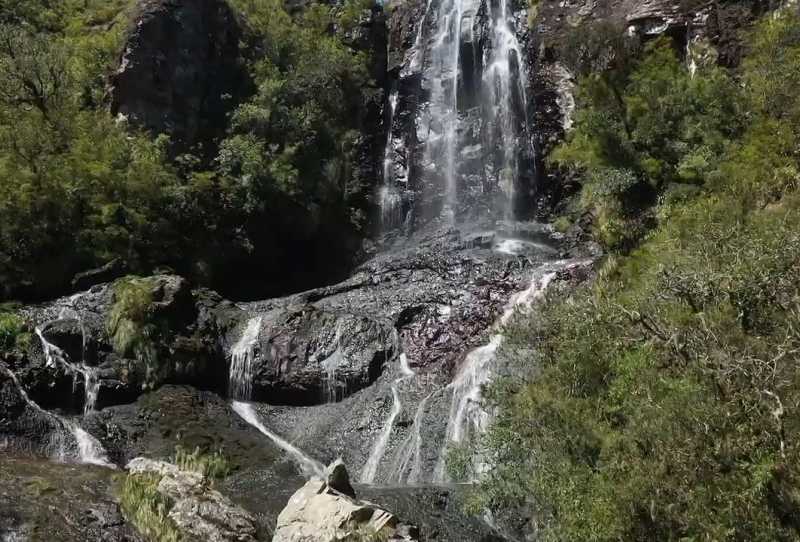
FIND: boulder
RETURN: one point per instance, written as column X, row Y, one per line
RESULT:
column 181, row 71
column 306, row 355
column 199, row 512
column 318, row 512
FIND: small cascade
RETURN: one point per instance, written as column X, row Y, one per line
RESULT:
column 330, row 365
column 467, row 416
column 410, row 453
column 85, row 448
column 54, row 356
column 308, row 466
column 379, row 448
column 240, row 376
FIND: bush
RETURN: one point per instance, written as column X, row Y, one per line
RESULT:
column 147, row 509
column 657, row 402
column 211, row 466
column 12, row 332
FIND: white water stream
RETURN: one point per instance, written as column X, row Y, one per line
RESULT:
column 467, row 415
column 308, row 466
column 240, row 375
column 370, row 469
column 87, row 449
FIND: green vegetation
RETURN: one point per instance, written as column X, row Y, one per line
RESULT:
column 130, row 321
column 659, row 402
column 78, row 189
column 12, row 331
column 147, row 509
column 211, row 465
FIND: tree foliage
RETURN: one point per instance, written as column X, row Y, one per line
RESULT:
column 78, row 189
column 659, row 402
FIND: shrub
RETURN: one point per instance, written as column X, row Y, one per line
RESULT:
column 210, row 465
column 147, row 509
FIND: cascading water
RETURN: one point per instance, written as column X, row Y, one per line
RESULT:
column 370, row 469
column 467, row 416
column 471, row 119
column 439, row 127
column 84, row 447
column 91, row 382
column 506, row 102
column 410, row 454
column 389, row 199
column 240, row 376
column 309, row 466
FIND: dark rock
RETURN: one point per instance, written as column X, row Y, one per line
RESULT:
column 181, row 72
column 67, row 502
column 113, row 270
column 338, row 478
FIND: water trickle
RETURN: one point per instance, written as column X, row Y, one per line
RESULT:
column 467, row 416
column 410, row 453
column 308, row 466
column 84, row 447
column 54, row 356
column 370, row 469
column 240, row 376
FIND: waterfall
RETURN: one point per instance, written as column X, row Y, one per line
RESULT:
column 85, row 447
column 389, row 199
column 440, row 128
column 55, row 356
column 308, row 466
column 379, row 448
column 506, row 107
column 240, row 376
column 467, row 417
column 472, row 122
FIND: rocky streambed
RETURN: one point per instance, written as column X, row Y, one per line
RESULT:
column 382, row 370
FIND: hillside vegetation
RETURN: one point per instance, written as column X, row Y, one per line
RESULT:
column 661, row 401
column 78, row 189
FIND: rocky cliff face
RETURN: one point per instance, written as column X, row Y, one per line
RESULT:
column 704, row 32
column 181, row 72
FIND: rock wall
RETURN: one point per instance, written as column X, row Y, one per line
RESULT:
column 181, row 72
column 702, row 31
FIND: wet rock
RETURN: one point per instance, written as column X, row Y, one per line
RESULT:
column 319, row 513
column 199, row 512
column 311, row 356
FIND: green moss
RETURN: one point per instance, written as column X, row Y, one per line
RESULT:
column 130, row 318
column 147, row 509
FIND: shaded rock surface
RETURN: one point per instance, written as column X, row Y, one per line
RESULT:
column 181, row 71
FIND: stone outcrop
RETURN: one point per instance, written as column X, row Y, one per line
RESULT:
column 318, row 512
column 198, row 511
column 181, row 71
column 309, row 356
